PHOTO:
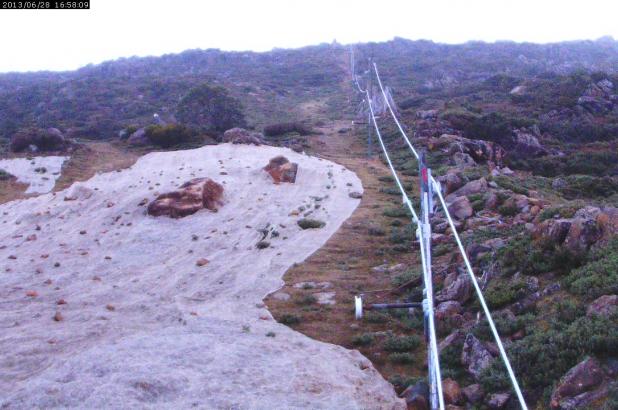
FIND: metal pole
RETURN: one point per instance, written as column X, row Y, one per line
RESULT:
column 433, row 363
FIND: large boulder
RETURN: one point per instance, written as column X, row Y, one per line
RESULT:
column 475, row 356
column 451, row 391
column 282, row 170
column 38, row 139
column 584, row 377
column 192, row 196
column 243, row 136
column 478, row 151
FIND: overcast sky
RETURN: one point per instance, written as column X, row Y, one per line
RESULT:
column 62, row 39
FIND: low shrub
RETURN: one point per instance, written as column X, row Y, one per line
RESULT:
column 170, row 135
column 289, row 319
column 599, row 276
column 503, row 293
column 363, row 340
column 399, row 212
column 5, row 176
column 307, row 223
column 401, row 358
column 274, row 130
column 402, row 343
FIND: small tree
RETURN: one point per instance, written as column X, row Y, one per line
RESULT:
column 210, row 109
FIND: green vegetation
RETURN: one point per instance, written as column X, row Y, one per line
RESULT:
column 402, row 343
column 364, row 339
column 210, row 109
column 500, row 294
column 5, row 176
column 274, row 130
column 599, row 276
column 307, row 223
column 167, row 136
column 288, row 319
column 401, row 358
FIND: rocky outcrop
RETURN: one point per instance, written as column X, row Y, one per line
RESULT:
column 38, row 139
column 584, row 377
column 473, row 187
column 588, row 226
column 243, row 136
column 473, row 393
column 451, row 391
column 605, row 305
column 498, row 400
column 478, row 150
column 192, row 196
column 475, row 356
column 282, row 170
column 598, row 99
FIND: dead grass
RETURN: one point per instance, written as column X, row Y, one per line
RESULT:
column 346, row 261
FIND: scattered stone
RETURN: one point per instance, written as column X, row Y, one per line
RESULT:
column 202, row 262
column 111, row 308
column 32, row 293
column 460, row 290
column 262, row 245
column 58, row 317
column 282, row 296
column 325, row 298
column 585, row 376
column 355, row 195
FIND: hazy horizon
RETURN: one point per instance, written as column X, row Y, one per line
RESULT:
column 61, row 40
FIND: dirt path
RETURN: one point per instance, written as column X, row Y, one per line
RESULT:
column 345, row 262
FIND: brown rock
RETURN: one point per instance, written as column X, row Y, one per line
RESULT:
column 202, row 262
column 473, row 187
column 32, row 293
column 192, row 196
column 58, row 317
column 585, row 376
column 460, row 290
column 460, row 208
column 417, row 396
column 282, row 170
column 451, row 391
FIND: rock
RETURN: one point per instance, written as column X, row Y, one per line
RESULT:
column 462, row 160
column 451, row 182
column 38, row 139
column 552, row 231
column 584, row 377
column 473, row 393
column 460, row 290
column 139, row 137
column 527, row 144
column 451, row 391
column 447, row 309
column 603, row 306
column 281, row 169
column 595, row 105
column 451, row 340
column 202, row 262
column 582, row 234
column 417, row 396
column 607, row 221
column 498, row 400
column 460, row 208
column 58, row 317
column 475, row 356
column 243, row 136
column 355, row 195
column 473, row 187
column 194, row 195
